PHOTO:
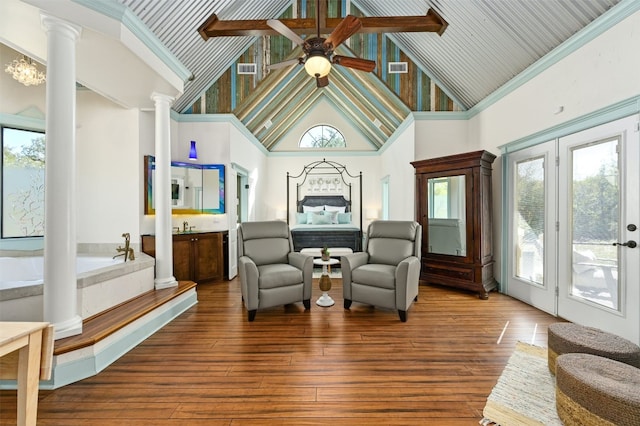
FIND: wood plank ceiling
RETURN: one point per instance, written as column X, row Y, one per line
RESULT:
column 487, row 43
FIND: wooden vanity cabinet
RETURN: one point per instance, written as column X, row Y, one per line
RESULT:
column 198, row 257
column 454, row 205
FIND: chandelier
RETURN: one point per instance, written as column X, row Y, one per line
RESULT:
column 25, row 72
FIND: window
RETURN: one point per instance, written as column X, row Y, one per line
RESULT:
column 322, row 136
column 22, row 183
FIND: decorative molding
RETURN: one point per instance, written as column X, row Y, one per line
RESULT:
column 604, row 115
column 124, row 15
column 23, row 121
column 440, row 115
column 400, row 130
column 219, row 118
column 605, row 22
column 70, row 368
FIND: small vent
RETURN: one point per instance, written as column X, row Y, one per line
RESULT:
column 398, row 67
column 247, row 69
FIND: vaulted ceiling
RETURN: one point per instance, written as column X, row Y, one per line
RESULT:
column 485, row 45
column 487, row 42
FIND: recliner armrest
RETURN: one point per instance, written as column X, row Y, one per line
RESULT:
column 352, row 261
column 410, row 265
column 407, row 281
column 248, row 271
column 299, row 260
column 348, row 263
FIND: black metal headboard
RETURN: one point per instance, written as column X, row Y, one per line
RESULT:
column 324, row 200
column 340, row 174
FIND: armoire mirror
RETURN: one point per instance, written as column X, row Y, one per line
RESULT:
column 447, row 213
column 195, row 188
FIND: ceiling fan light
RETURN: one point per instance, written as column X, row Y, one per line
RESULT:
column 317, row 65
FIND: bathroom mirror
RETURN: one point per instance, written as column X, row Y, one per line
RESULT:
column 447, row 213
column 195, row 188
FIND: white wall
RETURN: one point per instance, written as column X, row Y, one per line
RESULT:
column 212, row 142
column 108, row 169
column 599, row 74
column 244, row 153
column 438, row 138
column 324, row 113
column 396, row 163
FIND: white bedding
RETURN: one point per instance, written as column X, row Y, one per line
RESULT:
column 333, row 227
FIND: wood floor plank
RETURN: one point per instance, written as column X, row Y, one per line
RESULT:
column 210, row 366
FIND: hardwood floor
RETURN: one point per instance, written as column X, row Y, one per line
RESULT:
column 290, row 367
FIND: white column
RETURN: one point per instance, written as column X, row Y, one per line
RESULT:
column 162, row 193
column 60, row 282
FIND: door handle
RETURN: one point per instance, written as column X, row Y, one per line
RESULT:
column 630, row 244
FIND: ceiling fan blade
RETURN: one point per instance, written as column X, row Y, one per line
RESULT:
column 355, row 63
column 322, row 81
column 285, row 31
column 284, row 64
column 345, row 29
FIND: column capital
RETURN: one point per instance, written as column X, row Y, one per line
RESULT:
column 162, row 98
column 51, row 23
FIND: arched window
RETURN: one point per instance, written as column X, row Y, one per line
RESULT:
column 322, row 136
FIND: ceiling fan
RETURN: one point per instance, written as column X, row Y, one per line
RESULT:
column 319, row 52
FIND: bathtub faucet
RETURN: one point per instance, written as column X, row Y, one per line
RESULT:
column 125, row 251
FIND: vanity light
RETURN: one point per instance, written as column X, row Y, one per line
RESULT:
column 193, row 154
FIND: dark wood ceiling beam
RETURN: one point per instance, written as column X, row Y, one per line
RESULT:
column 432, row 22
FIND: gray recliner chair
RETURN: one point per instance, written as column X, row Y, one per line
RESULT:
column 387, row 272
column 271, row 273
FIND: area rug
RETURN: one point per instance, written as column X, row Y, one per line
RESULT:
column 525, row 392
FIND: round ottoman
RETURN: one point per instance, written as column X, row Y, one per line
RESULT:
column 592, row 390
column 566, row 337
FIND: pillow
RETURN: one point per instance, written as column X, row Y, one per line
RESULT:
column 307, row 209
column 302, row 218
column 320, row 219
column 341, row 209
column 332, row 216
column 344, row 217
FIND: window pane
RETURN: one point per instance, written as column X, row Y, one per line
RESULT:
column 594, row 223
column 322, row 137
column 441, row 199
column 529, row 220
column 22, row 183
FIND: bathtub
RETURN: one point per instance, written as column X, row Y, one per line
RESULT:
column 102, row 282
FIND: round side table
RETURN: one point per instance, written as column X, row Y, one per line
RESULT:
column 325, row 281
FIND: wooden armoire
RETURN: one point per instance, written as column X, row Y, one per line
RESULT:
column 453, row 205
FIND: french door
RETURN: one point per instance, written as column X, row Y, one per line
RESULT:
column 532, row 225
column 574, row 227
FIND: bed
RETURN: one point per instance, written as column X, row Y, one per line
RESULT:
column 315, row 228
column 324, row 213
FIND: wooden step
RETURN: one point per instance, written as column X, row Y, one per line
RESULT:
column 107, row 322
